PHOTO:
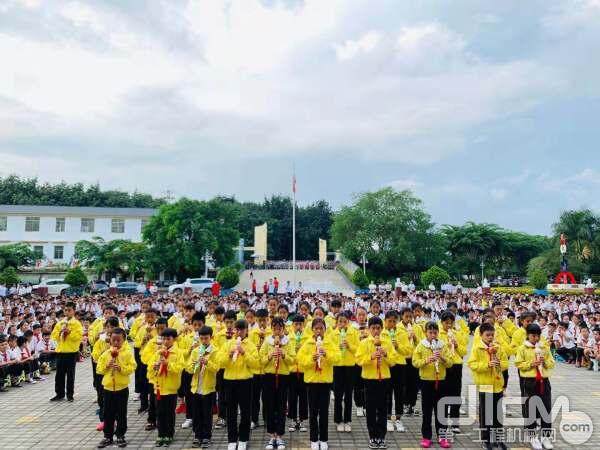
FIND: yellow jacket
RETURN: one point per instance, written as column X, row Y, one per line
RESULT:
column 166, row 382
column 489, row 379
column 175, row 321
column 419, row 335
column 185, row 341
column 116, row 380
column 244, row 367
column 460, row 349
column 500, row 338
column 137, row 323
column 508, row 326
column 298, row 340
column 70, row 343
column 366, row 348
column 427, row 371
column 312, row 373
column 519, row 337
column 399, row 340
column 348, row 354
column 329, row 322
column 99, row 347
column 258, row 337
column 287, row 364
column 95, row 329
column 143, row 335
column 204, row 381
column 146, row 355
column 526, row 355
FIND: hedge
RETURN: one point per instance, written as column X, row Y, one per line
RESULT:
column 529, row 290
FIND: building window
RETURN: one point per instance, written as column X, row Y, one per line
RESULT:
column 2, row 223
column 60, row 225
column 59, row 251
column 117, row 226
column 87, row 225
column 32, row 224
column 38, row 251
column 144, row 223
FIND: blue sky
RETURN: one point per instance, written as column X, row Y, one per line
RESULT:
column 487, row 110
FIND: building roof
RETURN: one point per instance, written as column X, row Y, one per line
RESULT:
column 44, row 210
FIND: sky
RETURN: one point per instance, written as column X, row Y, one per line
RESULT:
column 488, row 111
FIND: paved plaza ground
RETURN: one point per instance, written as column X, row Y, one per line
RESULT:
column 29, row 420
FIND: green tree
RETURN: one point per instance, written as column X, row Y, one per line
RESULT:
column 359, row 279
column 119, row 256
column 15, row 255
column 435, row 275
column 76, row 277
column 9, row 276
column 391, row 229
column 180, row 234
column 228, row 277
column 538, row 278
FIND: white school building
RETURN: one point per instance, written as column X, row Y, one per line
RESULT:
column 53, row 231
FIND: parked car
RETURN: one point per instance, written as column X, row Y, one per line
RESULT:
column 127, row 287
column 55, row 286
column 97, row 287
column 200, row 285
column 165, row 283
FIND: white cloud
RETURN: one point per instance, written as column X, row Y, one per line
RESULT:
column 498, row 193
column 349, row 49
column 405, row 183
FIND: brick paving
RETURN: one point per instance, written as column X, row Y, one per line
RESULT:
column 29, row 420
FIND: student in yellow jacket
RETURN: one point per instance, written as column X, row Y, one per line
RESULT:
column 277, row 357
column 508, row 326
column 67, row 334
column 203, row 366
column 150, row 349
column 186, row 340
column 297, row 398
column 411, row 373
column 456, row 341
column 316, row 358
column 116, row 365
column 100, row 346
column 257, row 336
column 167, row 364
column 239, row 359
column 535, row 363
column 487, row 361
column 376, row 355
column 223, row 332
column 343, row 372
column 145, row 333
column 97, row 326
column 432, row 357
column 500, row 339
column 398, row 337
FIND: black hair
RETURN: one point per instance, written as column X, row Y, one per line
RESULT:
column 230, row 315
column 432, row 325
column 199, row 316
column 336, row 303
column 112, row 321
column 318, row 321
column 241, row 325
column 169, row 332
column 70, row 305
column 189, row 306
column 118, row 330
column 262, row 312
column 205, row 331
column 162, row 321
column 219, row 310
column 446, row 315
column 21, row 340
column 298, row 318
column 277, row 322
column 375, row 321
column 486, row 327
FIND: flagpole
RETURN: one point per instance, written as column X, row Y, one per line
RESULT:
column 294, row 227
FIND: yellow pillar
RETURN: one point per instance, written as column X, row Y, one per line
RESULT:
column 322, row 251
column 260, row 244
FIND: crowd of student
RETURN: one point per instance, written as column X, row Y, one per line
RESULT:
column 289, row 351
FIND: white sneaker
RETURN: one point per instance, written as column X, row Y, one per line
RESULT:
column 400, row 426
column 313, row 446
column 242, row 445
column 280, row 444
column 232, row 446
column 270, row 445
column 390, row 425
column 303, row 427
column 347, row 428
column 535, row 443
column 187, row 423
column 360, row 411
column 252, row 425
column 547, row 443
column 340, row 427
column 136, row 398
column 324, row 445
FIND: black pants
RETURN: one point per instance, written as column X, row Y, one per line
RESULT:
column 115, row 409
column 489, row 417
column 297, row 397
column 65, row 368
column 411, row 384
column 238, row 394
column 94, row 375
column 395, row 391
column 376, row 394
column 274, row 398
column 99, row 395
column 257, row 396
column 505, row 377
column 343, row 381
column 138, row 361
column 359, row 388
column 318, row 410
column 151, row 405
column 532, row 389
column 202, row 418
column 221, row 398
column 143, row 386
column 165, row 415
column 430, row 396
column 185, row 391
column 453, row 388
column 568, row 354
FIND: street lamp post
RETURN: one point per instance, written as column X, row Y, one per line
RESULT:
column 482, row 265
column 207, row 259
column 364, row 263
